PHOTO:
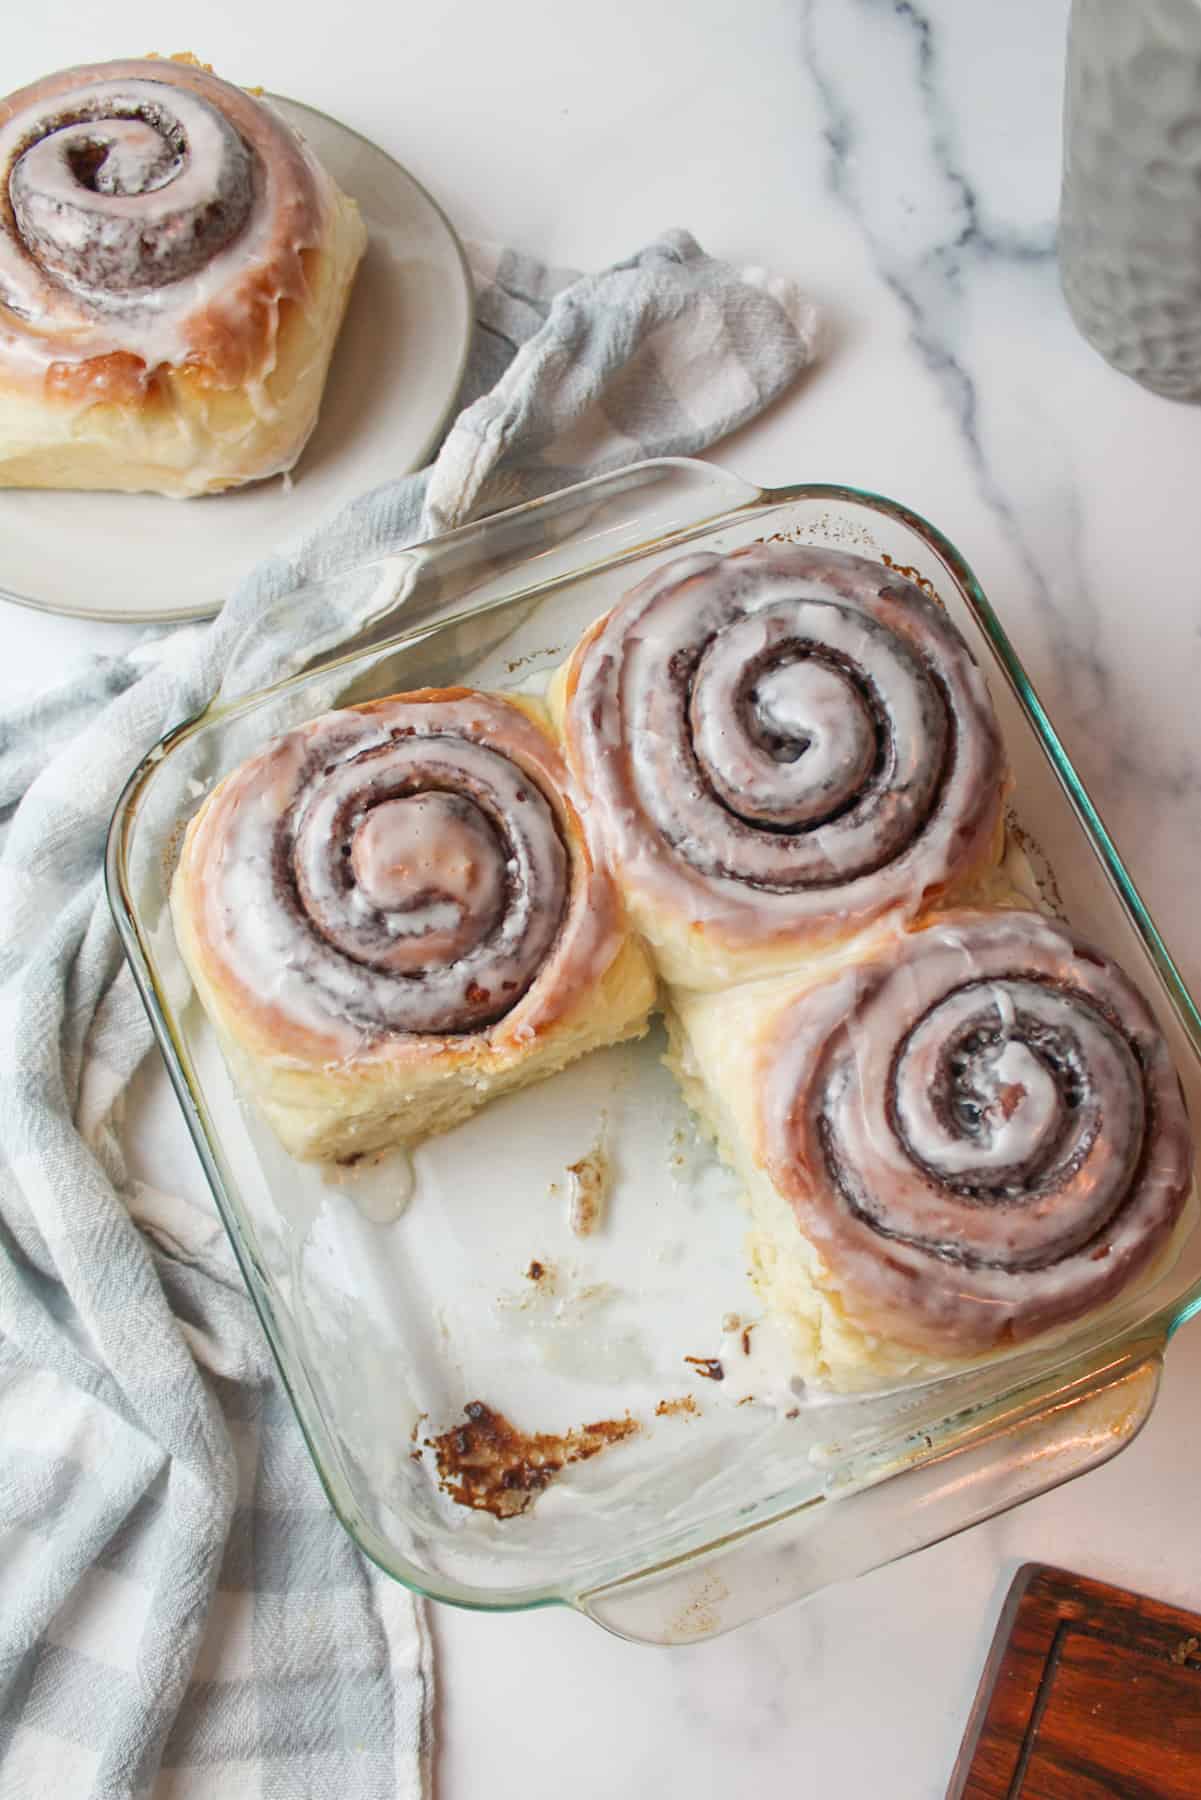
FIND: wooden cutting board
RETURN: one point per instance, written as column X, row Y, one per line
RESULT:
column 1089, row 1693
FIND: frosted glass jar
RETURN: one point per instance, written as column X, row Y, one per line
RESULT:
column 1130, row 217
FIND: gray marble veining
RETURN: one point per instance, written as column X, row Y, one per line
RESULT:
column 959, row 265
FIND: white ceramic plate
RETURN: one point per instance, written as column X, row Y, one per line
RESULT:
column 395, row 374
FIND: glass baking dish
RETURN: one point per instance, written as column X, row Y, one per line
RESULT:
column 395, row 1296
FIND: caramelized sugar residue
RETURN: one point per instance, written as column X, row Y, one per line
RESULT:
column 910, row 574
column 683, row 1403
column 491, row 1466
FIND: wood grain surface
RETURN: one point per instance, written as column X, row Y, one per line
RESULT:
column 1089, row 1692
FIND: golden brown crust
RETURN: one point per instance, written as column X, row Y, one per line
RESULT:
column 225, row 343
column 188, row 353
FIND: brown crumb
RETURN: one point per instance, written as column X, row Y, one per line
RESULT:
column 491, row 1466
column 708, row 1366
column 359, row 1159
column 536, row 1271
column 418, row 1422
column 589, row 1190
column 519, row 662
column 794, row 1412
column 355, row 1161
column 746, row 1339
column 683, row 1403
column 747, row 1400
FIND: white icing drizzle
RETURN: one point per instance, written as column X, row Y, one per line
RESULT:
column 1017, row 1105
column 406, row 868
column 105, row 212
column 130, row 197
column 405, row 851
column 783, row 740
column 980, row 1130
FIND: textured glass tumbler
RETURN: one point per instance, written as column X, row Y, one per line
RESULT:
column 1130, row 216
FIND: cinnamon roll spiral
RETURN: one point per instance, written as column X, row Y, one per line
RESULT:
column 391, row 911
column 980, row 1132
column 780, row 746
column 168, row 248
column 124, row 187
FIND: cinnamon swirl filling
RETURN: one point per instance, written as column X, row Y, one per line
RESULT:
column 784, row 740
column 981, row 1130
column 403, row 868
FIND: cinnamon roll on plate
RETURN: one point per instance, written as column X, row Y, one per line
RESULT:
column 392, row 915
column 950, row 1146
column 174, row 268
column 781, row 748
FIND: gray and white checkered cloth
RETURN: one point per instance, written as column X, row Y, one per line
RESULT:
column 180, row 1613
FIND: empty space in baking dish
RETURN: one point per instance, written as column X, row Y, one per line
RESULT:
column 398, row 1294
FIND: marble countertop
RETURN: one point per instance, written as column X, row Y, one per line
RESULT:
column 901, row 158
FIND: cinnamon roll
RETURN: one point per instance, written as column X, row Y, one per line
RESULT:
column 174, row 267
column 391, row 915
column 949, row 1147
column 780, row 748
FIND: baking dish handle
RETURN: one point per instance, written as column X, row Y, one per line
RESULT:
column 606, row 519
column 889, row 1514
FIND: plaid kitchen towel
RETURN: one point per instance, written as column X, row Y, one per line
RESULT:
column 180, row 1613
